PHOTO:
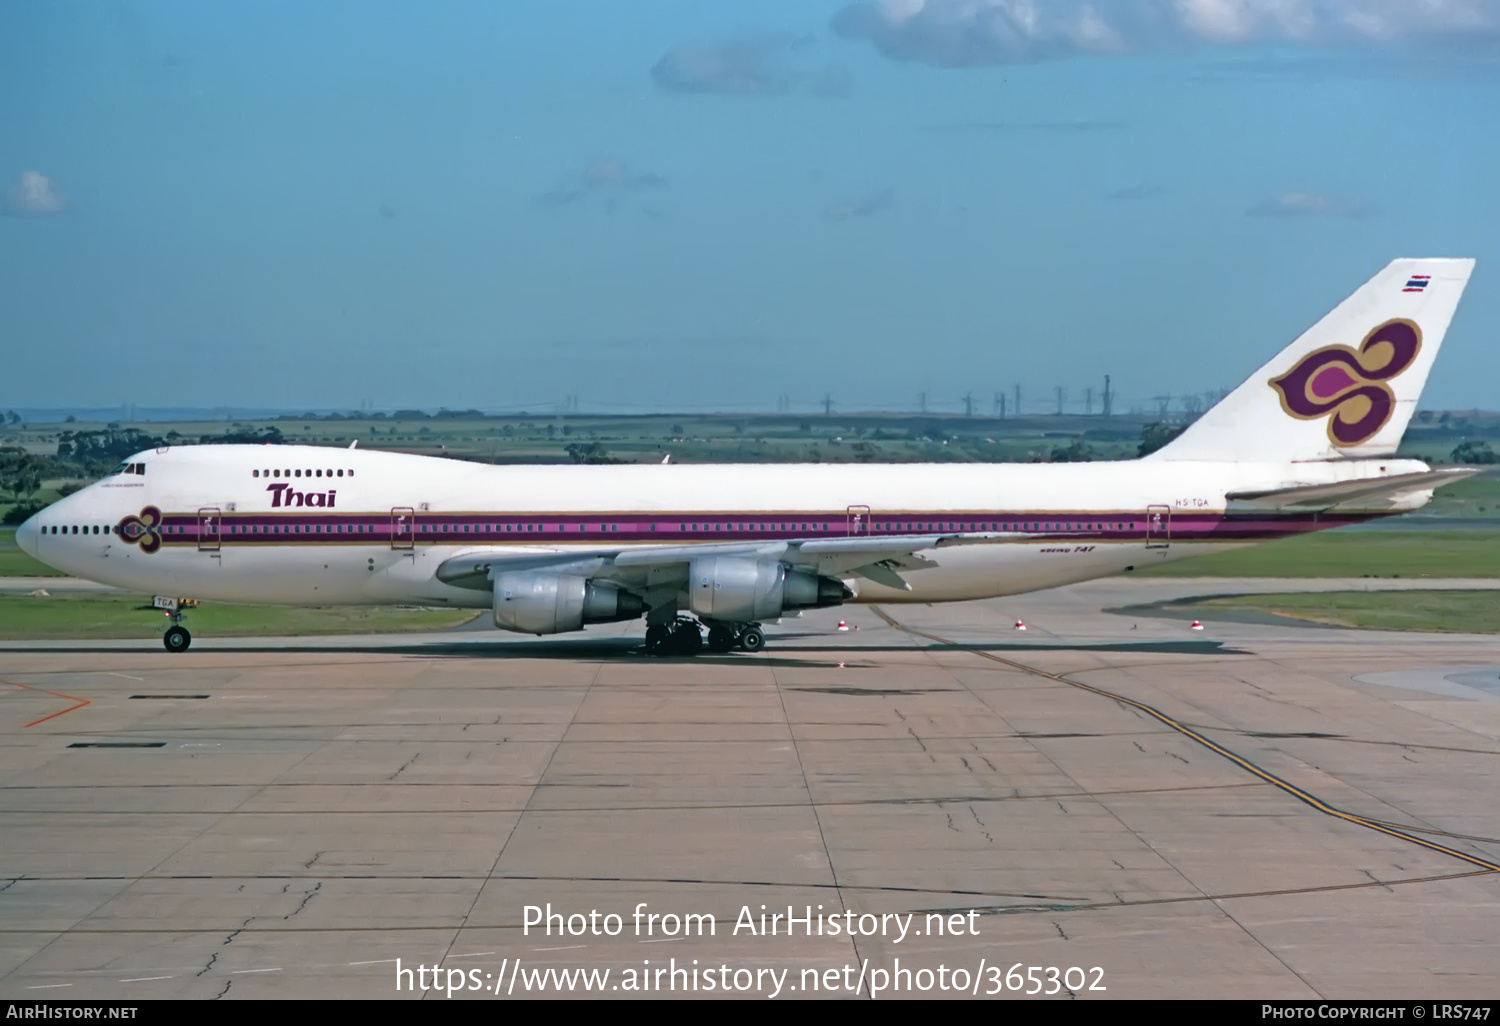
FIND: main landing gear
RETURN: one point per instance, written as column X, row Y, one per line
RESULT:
column 684, row 637
column 724, row 636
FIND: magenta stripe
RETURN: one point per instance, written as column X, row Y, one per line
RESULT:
column 459, row 528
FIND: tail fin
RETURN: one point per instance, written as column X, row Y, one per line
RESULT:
column 1348, row 386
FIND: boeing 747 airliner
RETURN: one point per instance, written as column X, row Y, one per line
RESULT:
column 1307, row 443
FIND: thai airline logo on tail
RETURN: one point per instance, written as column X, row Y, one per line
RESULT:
column 1348, row 386
column 1329, row 396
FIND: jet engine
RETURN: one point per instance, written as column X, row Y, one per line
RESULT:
column 739, row 590
column 532, row 602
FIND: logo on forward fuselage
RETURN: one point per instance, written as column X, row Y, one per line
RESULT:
column 286, row 495
column 1348, row 386
column 143, row 530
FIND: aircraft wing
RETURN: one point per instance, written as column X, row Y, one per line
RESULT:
column 877, row 558
column 1368, row 495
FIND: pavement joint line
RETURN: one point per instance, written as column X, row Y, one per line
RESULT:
column 1050, row 907
column 1330, row 737
column 535, row 786
column 1301, row 795
column 817, row 813
column 565, row 879
column 853, row 803
column 1104, row 906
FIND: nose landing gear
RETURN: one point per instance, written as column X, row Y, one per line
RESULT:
column 177, row 638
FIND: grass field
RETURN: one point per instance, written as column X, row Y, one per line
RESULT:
column 15, row 563
column 1477, row 496
column 123, row 616
column 1353, row 554
column 1467, row 612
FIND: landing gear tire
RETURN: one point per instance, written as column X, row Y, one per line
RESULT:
column 177, row 639
column 687, row 638
column 720, row 639
column 656, row 637
column 752, row 640
column 684, row 636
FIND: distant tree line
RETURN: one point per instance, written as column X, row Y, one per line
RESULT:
column 442, row 414
column 1473, row 453
column 21, row 475
column 92, row 454
column 589, row 452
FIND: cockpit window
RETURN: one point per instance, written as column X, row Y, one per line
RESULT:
column 123, row 468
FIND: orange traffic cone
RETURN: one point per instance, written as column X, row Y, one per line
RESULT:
column 1196, row 626
column 1020, row 626
column 843, row 626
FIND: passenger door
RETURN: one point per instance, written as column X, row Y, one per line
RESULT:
column 1158, row 527
column 209, row 527
column 859, row 520
column 403, row 528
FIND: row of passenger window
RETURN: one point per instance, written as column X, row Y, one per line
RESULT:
column 1024, row 526
column 300, row 473
column 303, row 529
column 921, row 526
column 894, row 528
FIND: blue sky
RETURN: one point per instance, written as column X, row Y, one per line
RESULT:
column 675, row 205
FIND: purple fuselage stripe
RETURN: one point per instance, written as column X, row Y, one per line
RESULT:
column 289, row 528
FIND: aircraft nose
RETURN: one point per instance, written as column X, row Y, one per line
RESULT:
column 26, row 537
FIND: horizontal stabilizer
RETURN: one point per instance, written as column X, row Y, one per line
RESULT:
column 1368, row 495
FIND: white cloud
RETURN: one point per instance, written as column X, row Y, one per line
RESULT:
column 865, row 207
column 1309, row 205
column 33, row 194
column 605, row 175
column 768, row 64
column 956, row 33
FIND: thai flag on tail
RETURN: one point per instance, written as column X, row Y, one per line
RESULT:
column 1417, row 283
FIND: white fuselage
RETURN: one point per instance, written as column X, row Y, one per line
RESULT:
column 319, row 526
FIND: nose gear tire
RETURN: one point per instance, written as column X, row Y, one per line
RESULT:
column 177, row 639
